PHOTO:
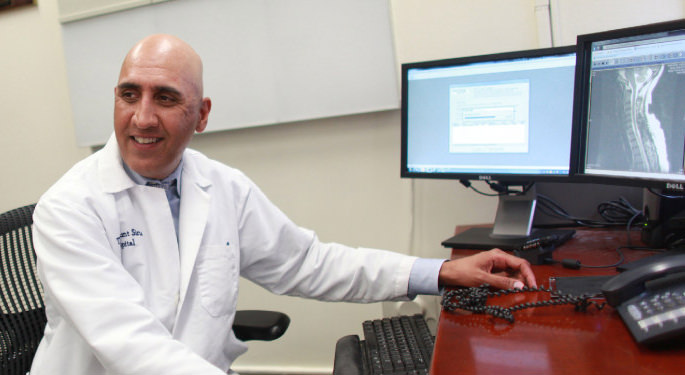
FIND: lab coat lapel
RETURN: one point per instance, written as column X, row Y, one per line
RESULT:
column 151, row 251
column 144, row 234
column 111, row 174
column 194, row 212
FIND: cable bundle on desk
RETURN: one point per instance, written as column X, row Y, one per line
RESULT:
column 474, row 300
column 614, row 213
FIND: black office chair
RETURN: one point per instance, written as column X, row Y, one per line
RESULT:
column 22, row 313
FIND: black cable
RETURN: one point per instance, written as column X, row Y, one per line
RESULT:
column 504, row 189
column 614, row 213
column 549, row 207
column 662, row 195
column 500, row 189
column 620, row 261
column 468, row 185
column 629, row 224
column 620, row 211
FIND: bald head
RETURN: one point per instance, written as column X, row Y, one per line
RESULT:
column 165, row 51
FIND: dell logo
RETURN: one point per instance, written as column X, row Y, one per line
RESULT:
column 488, row 178
column 672, row 186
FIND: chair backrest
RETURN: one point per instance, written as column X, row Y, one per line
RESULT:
column 22, row 313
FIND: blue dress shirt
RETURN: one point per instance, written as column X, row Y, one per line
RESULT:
column 171, row 186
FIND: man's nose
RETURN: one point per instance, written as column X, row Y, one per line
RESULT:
column 145, row 116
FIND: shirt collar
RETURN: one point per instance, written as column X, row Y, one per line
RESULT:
column 140, row 180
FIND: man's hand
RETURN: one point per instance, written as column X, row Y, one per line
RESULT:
column 495, row 267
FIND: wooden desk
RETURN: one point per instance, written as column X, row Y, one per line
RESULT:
column 552, row 340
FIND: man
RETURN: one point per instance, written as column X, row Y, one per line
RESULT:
column 144, row 280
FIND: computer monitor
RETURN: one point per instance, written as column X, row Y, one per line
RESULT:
column 630, row 107
column 504, row 118
column 629, row 119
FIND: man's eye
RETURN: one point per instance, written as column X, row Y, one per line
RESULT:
column 128, row 95
column 166, row 99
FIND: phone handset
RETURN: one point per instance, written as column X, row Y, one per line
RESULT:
column 632, row 282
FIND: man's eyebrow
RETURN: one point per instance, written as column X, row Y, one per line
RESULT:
column 128, row 85
column 135, row 86
column 168, row 89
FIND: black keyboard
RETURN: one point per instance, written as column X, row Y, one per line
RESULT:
column 391, row 346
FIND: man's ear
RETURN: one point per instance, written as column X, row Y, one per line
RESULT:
column 204, row 115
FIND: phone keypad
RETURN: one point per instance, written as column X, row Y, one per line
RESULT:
column 657, row 313
column 659, row 303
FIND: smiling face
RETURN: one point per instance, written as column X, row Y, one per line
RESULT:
column 158, row 105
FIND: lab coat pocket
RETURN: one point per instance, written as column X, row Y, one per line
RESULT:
column 218, row 279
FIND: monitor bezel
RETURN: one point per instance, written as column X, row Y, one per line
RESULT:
column 498, row 177
column 581, row 107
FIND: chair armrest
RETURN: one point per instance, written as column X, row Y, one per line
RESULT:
column 348, row 356
column 260, row 325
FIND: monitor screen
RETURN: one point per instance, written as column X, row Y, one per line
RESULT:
column 500, row 117
column 630, row 116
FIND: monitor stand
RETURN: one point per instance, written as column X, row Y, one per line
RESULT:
column 513, row 228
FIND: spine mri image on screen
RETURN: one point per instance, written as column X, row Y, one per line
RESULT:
column 639, row 114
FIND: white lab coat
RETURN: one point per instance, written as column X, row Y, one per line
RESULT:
column 122, row 296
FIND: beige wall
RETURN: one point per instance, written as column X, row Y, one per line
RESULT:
column 37, row 143
column 338, row 176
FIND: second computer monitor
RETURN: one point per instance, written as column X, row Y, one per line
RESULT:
column 630, row 113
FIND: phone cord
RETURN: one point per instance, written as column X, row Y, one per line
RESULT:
column 474, row 299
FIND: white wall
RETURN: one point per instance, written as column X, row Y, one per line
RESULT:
column 37, row 143
column 338, row 176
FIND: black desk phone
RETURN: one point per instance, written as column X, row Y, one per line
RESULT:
column 651, row 299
